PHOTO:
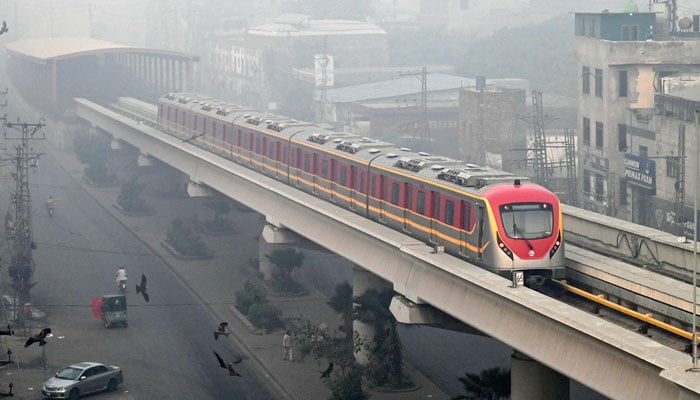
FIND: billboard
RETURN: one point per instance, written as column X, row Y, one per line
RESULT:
column 640, row 171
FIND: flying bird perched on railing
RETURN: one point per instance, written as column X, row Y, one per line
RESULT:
column 141, row 288
column 221, row 330
column 39, row 337
column 4, row 28
column 229, row 366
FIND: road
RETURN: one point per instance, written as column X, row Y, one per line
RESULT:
column 166, row 352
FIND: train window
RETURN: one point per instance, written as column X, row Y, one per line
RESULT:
column 257, row 145
column 223, row 133
column 436, row 205
column 395, row 193
column 373, row 186
column 194, row 124
column 527, row 220
column 468, row 217
column 285, row 152
column 307, row 163
column 383, row 187
column 420, row 202
column 271, row 150
column 324, row 168
column 343, row 176
column 449, row 212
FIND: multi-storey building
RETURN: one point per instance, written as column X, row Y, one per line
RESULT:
column 627, row 162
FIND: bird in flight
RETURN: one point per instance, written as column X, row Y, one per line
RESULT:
column 221, row 330
column 327, row 372
column 229, row 366
column 4, row 28
column 39, row 337
column 141, row 288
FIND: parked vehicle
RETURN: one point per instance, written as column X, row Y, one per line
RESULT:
column 82, row 378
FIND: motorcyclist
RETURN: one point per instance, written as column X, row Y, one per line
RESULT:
column 50, row 204
column 121, row 276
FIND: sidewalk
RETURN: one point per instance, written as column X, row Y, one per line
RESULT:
column 215, row 281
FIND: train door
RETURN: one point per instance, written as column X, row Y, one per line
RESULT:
column 239, row 139
column 334, row 168
column 353, row 186
column 264, row 154
column 297, row 167
column 382, row 193
column 314, row 174
column 480, row 216
column 276, row 157
column 466, row 234
column 407, row 206
column 434, row 216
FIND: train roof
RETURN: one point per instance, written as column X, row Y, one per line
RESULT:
column 440, row 169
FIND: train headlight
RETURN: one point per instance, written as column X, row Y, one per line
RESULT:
column 556, row 246
column 503, row 247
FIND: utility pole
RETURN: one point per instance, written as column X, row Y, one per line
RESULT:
column 570, row 159
column 21, row 268
column 422, row 129
column 540, row 137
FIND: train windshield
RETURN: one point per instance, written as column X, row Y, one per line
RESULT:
column 527, row 220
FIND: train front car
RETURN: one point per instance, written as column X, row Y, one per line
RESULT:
column 527, row 228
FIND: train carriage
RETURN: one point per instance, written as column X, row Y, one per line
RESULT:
column 491, row 218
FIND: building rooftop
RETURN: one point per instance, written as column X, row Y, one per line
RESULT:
column 304, row 25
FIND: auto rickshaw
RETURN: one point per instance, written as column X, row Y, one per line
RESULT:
column 113, row 308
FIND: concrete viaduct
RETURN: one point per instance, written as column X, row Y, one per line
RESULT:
column 554, row 342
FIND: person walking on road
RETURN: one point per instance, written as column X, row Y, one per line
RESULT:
column 287, row 345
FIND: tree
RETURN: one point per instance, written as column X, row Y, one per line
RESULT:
column 184, row 240
column 286, row 260
column 489, row 384
column 219, row 223
column 341, row 302
column 386, row 358
column 130, row 196
column 94, row 150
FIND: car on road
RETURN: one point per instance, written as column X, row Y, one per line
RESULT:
column 82, row 378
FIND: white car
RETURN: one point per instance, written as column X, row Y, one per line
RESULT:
column 82, row 378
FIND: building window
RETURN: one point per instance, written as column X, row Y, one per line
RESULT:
column 621, row 137
column 623, row 84
column 599, row 184
column 586, row 80
column 599, row 135
column 630, row 32
column 623, row 191
column 586, row 131
column 586, row 183
column 598, row 82
column 643, row 151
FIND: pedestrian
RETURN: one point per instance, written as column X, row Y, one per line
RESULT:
column 287, row 345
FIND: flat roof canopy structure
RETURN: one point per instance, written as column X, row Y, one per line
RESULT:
column 50, row 72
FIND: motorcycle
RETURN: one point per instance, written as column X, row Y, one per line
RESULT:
column 49, row 209
column 121, row 285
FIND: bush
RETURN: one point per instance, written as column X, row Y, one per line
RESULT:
column 94, row 150
column 130, row 197
column 185, row 240
column 265, row 316
column 249, row 295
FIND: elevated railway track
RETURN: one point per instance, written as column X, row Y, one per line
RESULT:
column 636, row 272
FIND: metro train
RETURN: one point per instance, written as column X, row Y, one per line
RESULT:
column 487, row 217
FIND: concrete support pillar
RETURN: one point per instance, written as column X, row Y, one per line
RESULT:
column 362, row 281
column 273, row 238
column 195, row 189
column 530, row 380
column 144, row 160
column 115, row 144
